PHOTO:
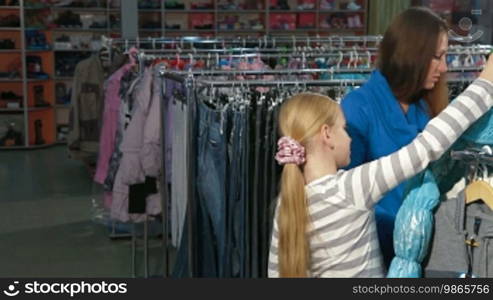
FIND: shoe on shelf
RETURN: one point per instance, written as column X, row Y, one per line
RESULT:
column 10, row 21
column 11, row 137
column 9, row 3
column 353, row 6
column 39, row 97
column 357, row 21
column 9, row 95
column 63, row 3
column 7, row 44
column 327, row 4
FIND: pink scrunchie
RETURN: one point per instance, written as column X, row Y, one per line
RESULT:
column 290, row 151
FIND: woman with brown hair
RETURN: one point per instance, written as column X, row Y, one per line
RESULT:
column 394, row 106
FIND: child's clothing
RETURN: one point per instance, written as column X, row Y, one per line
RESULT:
column 342, row 233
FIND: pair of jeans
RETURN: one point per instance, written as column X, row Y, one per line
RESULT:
column 257, row 189
column 265, row 192
column 235, row 226
column 211, row 184
column 246, row 193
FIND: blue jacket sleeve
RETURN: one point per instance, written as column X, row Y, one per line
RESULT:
column 353, row 107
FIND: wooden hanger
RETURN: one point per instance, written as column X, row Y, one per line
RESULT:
column 479, row 190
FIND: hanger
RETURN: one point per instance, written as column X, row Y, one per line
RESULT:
column 132, row 53
column 341, row 57
column 480, row 190
column 368, row 63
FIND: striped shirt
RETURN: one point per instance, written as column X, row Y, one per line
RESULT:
column 342, row 233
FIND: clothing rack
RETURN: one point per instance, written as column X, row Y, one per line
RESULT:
column 191, row 83
column 187, row 78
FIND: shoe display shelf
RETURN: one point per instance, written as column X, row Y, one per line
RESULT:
column 174, row 18
column 27, row 117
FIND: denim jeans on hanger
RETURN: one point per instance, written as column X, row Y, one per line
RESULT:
column 258, row 186
column 235, row 226
column 254, row 194
column 276, row 170
column 211, row 181
column 265, row 191
column 246, row 192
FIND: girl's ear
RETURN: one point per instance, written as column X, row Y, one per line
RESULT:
column 327, row 135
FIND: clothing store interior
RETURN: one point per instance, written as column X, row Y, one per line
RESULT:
column 147, row 138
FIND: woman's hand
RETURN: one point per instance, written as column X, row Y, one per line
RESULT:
column 488, row 70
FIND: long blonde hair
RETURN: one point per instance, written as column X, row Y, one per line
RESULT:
column 300, row 118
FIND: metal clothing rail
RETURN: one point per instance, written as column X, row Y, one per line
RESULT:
column 263, row 51
column 266, row 72
column 332, row 70
column 281, row 49
column 332, row 42
column 272, row 42
column 262, row 41
column 474, row 156
column 308, row 51
column 250, row 83
column 473, row 50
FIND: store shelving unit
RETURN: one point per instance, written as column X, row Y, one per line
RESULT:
column 68, row 45
column 73, row 32
column 253, row 18
column 27, row 99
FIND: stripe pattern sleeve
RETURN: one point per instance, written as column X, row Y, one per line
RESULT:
column 273, row 264
column 365, row 185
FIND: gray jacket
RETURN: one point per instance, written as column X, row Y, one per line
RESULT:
column 450, row 255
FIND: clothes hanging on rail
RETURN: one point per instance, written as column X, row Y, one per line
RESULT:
column 87, row 107
column 236, row 180
column 87, row 100
column 463, row 240
column 178, row 171
column 141, row 155
column 111, row 119
column 128, row 93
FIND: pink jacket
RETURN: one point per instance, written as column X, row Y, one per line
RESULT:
column 111, row 115
column 141, row 148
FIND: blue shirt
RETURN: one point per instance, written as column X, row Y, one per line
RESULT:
column 378, row 127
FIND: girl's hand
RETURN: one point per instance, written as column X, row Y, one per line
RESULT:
column 488, row 70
